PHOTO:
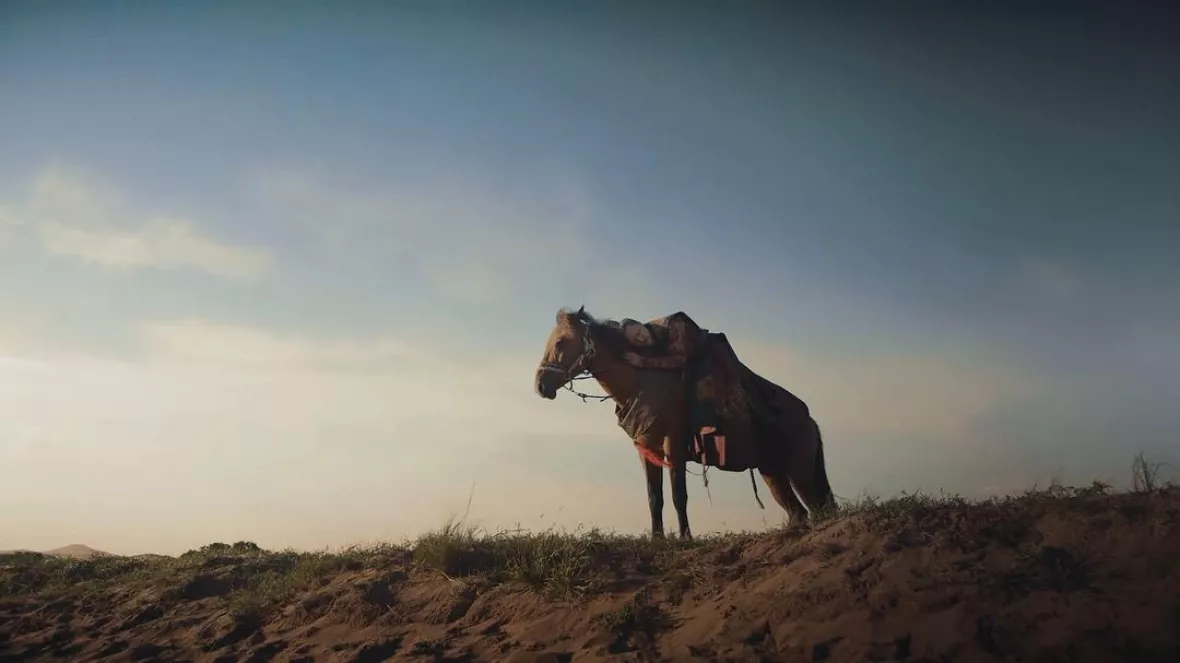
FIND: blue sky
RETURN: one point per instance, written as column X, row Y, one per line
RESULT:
column 285, row 276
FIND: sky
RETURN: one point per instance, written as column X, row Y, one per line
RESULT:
column 286, row 275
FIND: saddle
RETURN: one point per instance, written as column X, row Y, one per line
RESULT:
column 727, row 405
column 724, row 418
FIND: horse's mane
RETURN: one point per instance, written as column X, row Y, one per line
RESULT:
column 607, row 331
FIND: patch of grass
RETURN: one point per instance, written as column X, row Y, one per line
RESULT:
column 212, row 550
column 680, row 580
column 1049, row 568
column 917, row 506
column 635, row 623
column 453, row 549
column 259, row 581
column 558, row 563
column 23, row 574
column 251, row 581
column 1145, row 475
column 261, row 594
column 432, row 648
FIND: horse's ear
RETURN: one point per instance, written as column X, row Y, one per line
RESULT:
column 582, row 311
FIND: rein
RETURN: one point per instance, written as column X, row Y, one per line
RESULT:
column 586, row 398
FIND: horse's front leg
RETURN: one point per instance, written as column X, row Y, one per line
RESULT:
column 675, row 455
column 655, row 495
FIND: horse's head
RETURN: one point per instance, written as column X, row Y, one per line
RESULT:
column 567, row 352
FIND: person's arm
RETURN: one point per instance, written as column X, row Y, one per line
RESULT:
column 663, row 362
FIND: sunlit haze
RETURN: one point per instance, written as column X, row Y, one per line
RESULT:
column 286, row 275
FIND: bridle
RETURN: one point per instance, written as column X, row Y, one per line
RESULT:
column 589, row 348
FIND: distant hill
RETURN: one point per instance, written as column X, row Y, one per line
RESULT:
column 72, row 551
column 77, row 551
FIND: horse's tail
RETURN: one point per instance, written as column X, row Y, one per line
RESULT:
column 824, row 487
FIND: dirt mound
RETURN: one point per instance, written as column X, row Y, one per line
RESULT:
column 1077, row 575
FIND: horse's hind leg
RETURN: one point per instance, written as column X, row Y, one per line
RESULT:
column 780, row 488
column 805, row 468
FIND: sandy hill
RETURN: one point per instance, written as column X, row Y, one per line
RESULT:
column 1063, row 575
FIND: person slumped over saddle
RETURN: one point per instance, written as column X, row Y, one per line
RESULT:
column 666, row 343
column 717, row 403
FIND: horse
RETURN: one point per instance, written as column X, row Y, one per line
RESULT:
column 790, row 454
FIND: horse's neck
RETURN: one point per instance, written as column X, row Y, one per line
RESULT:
column 616, row 377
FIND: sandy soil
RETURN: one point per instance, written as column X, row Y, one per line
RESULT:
column 1065, row 576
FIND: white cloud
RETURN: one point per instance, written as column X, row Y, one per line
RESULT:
column 76, row 217
column 69, row 196
column 28, row 337
column 160, row 243
column 429, row 380
column 471, row 242
column 205, row 342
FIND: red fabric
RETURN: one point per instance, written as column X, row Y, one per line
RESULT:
column 652, row 457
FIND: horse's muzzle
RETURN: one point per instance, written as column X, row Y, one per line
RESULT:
column 545, row 390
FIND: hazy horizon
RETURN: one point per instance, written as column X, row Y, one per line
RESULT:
column 285, row 276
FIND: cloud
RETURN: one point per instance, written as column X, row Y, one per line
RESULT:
column 205, row 342
column 31, row 337
column 428, row 382
column 76, row 217
column 471, row 242
column 161, row 243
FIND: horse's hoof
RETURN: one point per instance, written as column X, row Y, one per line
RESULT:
column 657, row 535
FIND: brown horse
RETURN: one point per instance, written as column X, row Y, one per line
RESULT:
column 790, row 458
